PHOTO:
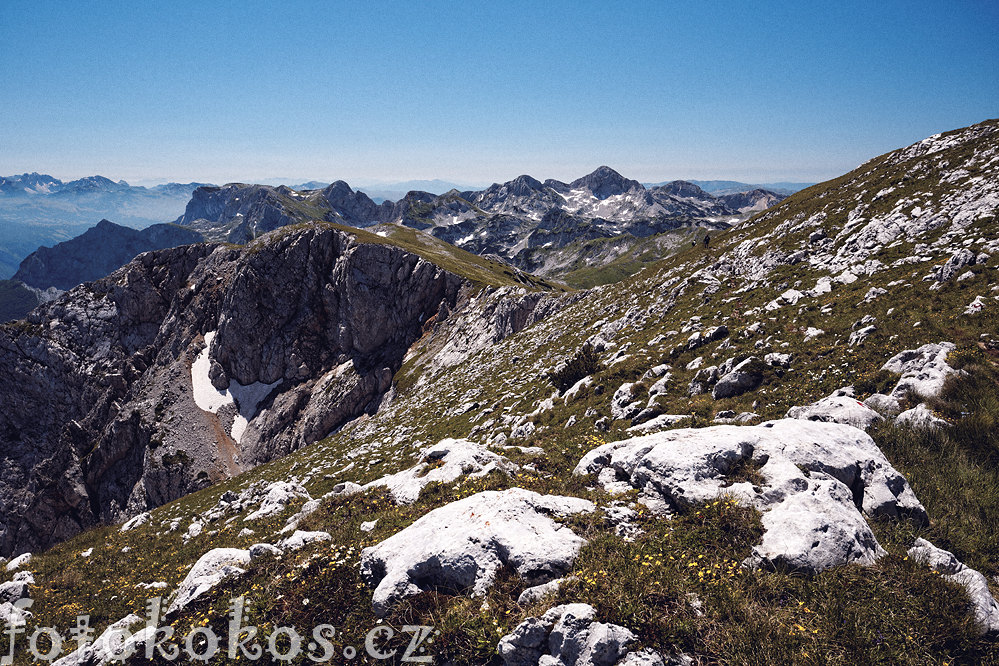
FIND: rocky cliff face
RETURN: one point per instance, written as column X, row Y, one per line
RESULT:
column 192, row 364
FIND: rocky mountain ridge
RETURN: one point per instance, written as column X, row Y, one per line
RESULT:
column 37, row 210
column 96, row 253
column 523, row 221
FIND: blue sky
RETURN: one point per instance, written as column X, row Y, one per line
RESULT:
column 482, row 92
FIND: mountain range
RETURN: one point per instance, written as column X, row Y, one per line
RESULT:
column 776, row 447
column 538, row 227
column 38, row 210
column 718, row 187
column 598, row 228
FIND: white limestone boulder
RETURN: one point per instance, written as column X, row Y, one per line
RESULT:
column 921, row 417
column 443, row 462
column 112, row 646
column 210, row 570
column 20, row 561
column 819, row 481
column 924, row 370
column 983, row 604
column 136, row 521
column 277, row 497
column 463, row 545
column 301, row 539
column 568, row 635
column 837, row 408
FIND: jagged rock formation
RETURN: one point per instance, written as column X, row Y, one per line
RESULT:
column 101, row 419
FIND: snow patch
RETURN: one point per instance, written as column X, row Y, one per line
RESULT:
column 207, row 397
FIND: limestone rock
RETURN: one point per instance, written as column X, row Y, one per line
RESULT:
column 567, row 635
column 137, row 521
column 210, row 569
column 883, row 404
column 623, row 405
column 13, row 590
column 857, row 337
column 443, row 462
column 276, row 498
column 837, row 409
column 820, row 478
column 954, row 265
column 259, row 550
column 983, row 604
column 924, row 370
column 108, row 648
column 920, row 416
column 462, row 546
column 20, row 561
column 744, row 377
column 300, row 539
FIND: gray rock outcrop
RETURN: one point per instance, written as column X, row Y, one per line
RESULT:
column 924, row 370
column 744, row 377
column 443, row 462
column 568, row 635
column 837, row 408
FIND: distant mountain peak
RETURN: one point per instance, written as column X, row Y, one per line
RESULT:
column 683, row 188
column 605, row 182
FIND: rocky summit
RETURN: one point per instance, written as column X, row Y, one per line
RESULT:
column 370, row 431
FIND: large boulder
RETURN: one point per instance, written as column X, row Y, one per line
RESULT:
column 745, row 377
column 113, row 645
column 463, row 545
column 623, row 404
column 443, row 462
column 819, row 479
column 276, row 499
column 210, row 570
column 568, row 635
column 958, row 261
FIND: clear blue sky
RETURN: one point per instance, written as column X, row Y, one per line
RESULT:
column 482, row 92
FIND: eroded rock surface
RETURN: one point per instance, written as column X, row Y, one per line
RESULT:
column 443, row 462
